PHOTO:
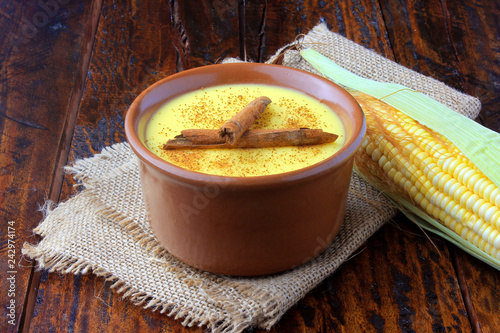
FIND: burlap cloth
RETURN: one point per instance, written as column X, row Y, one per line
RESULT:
column 104, row 229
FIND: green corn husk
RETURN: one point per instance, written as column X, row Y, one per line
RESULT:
column 426, row 222
column 479, row 144
column 483, row 151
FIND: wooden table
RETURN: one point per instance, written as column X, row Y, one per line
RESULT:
column 70, row 69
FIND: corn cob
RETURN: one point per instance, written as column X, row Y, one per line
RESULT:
column 400, row 155
column 424, row 172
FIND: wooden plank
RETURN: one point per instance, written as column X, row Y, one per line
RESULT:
column 395, row 283
column 456, row 42
column 272, row 24
column 42, row 46
column 474, row 32
column 209, row 29
column 418, row 35
column 137, row 43
column 85, row 303
column 481, row 282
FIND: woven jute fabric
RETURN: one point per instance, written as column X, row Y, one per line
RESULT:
column 104, row 229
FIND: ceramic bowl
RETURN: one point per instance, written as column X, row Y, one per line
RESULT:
column 245, row 225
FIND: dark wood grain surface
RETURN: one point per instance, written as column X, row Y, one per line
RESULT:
column 40, row 87
column 70, row 69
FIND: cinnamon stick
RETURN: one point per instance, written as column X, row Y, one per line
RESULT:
column 258, row 138
column 234, row 128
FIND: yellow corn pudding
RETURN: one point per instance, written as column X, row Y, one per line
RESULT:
column 211, row 107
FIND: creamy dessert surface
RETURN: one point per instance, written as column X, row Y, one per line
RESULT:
column 209, row 108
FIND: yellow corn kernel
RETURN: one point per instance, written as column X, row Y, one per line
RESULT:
column 465, row 205
column 438, row 205
column 429, row 170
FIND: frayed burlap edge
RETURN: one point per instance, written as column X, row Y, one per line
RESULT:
column 110, row 158
column 233, row 321
column 228, row 319
column 113, row 159
column 52, row 261
column 273, row 299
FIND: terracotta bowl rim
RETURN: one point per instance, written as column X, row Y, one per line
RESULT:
column 200, row 179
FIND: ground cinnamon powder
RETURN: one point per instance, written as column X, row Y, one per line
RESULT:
column 211, row 108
